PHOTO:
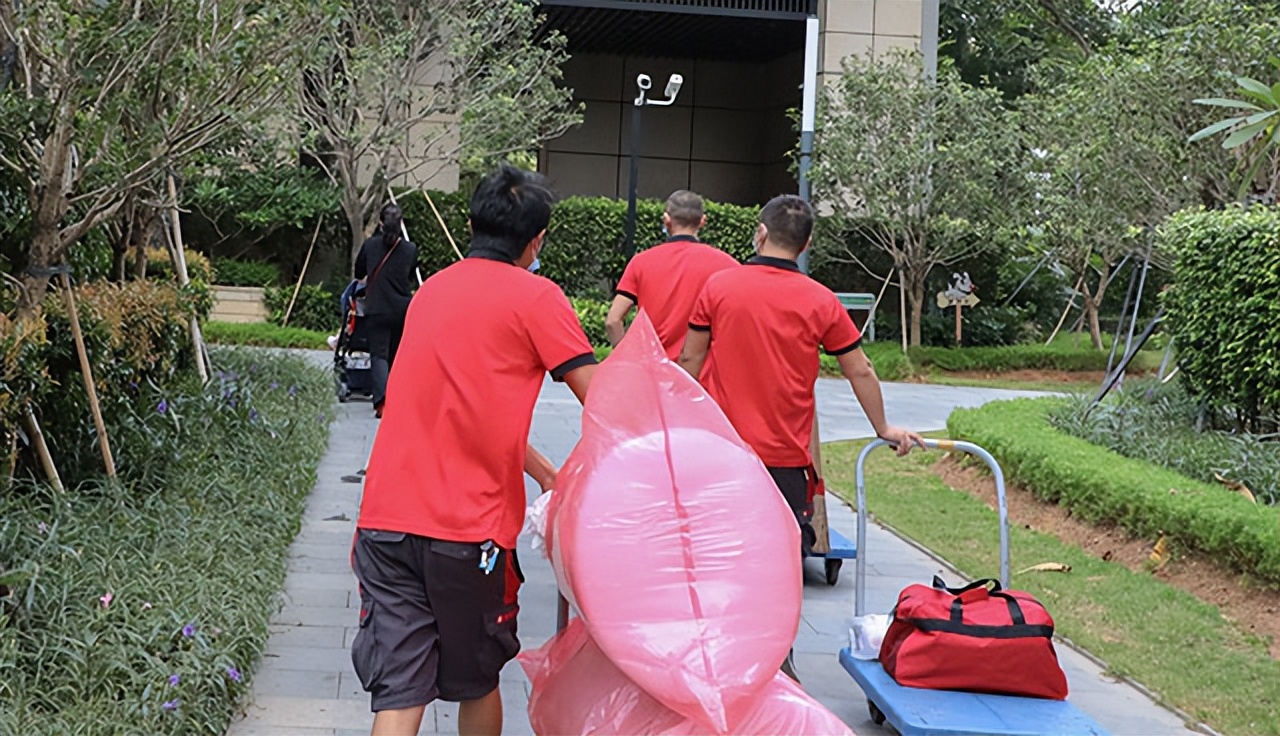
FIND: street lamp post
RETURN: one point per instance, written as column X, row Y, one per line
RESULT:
column 643, row 83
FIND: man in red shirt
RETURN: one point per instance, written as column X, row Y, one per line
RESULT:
column 667, row 278
column 444, row 497
column 761, row 327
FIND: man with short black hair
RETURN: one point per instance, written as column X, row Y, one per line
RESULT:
column 758, row 330
column 444, row 498
column 666, row 279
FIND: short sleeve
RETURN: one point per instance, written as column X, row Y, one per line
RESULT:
column 700, row 317
column 841, row 334
column 557, row 335
column 629, row 284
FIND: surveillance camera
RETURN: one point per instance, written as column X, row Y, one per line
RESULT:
column 673, row 85
column 644, row 82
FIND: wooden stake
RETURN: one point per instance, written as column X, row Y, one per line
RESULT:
column 443, row 226
column 298, row 286
column 94, row 406
column 902, row 308
column 1070, row 303
column 180, row 266
column 42, row 449
column 821, row 526
column 957, row 324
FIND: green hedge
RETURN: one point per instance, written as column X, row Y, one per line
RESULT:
column 1020, row 357
column 315, row 308
column 592, row 313
column 1103, row 487
column 1224, row 307
column 261, row 334
column 583, row 251
column 246, row 273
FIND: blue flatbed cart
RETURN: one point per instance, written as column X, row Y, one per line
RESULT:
column 919, row 712
column 842, row 548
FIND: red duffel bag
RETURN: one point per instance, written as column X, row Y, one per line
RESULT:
column 976, row 638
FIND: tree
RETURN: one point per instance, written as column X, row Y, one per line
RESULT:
column 417, row 84
column 105, row 97
column 1257, row 129
column 916, row 167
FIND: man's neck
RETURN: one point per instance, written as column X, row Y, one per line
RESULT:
column 683, row 234
column 769, row 250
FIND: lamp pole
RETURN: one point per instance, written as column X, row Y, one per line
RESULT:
column 643, row 83
column 808, row 107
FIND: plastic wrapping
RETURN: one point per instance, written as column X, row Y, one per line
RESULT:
column 577, row 690
column 671, row 540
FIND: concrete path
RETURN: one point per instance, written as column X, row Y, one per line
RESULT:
column 305, row 684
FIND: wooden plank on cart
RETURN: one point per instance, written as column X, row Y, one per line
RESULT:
column 918, row 712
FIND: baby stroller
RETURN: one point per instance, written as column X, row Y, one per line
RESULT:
column 351, row 370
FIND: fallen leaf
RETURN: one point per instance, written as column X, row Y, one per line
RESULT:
column 1240, row 488
column 1159, row 553
column 1106, row 556
column 1047, row 567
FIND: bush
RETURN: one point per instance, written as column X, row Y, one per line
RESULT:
column 246, row 273
column 191, row 549
column 160, row 266
column 1224, row 308
column 592, row 313
column 1156, row 423
column 1103, row 487
column 315, row 308
column 264, row 335
column 1020, row 357
column 584, row 252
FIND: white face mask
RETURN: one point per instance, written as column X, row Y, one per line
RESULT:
column 533, row 267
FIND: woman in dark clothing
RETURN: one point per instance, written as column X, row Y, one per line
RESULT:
column 385, row 264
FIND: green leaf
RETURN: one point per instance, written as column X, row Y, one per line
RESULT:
column 1244, row 134
column 1225, row 102
column 1256, row 90
column 1217, row 127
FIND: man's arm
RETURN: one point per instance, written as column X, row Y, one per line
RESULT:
column 694, row 353
column 539, row 468
column 861, row 375
column 614, row 323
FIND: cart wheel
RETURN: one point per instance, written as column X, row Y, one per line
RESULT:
column 832, row 568
column 877, row 715
column 344, row 392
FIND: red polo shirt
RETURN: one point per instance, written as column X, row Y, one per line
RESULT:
column 448, row 459
column 767, row 322
column 666, row 280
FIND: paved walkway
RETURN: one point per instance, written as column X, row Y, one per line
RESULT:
column 305, row 684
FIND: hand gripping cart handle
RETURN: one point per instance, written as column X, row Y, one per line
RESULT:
column 918, row 712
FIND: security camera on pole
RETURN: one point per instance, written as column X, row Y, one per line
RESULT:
column 644, row 82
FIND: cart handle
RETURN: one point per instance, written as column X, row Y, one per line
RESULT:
column 860, row 577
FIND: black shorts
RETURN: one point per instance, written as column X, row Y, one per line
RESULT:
column 433, row 624
column 794, row 485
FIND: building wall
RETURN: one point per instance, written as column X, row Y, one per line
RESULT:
column 860, row 27
column 727, row 136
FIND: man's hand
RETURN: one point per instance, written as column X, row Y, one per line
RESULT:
column 903, row 438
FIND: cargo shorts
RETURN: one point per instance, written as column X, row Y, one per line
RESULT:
column 433, row 623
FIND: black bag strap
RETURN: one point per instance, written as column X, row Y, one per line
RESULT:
column 940, row 584
column 1015, row 609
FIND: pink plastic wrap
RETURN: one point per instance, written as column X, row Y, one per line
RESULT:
column 671, row 540
column 577, row 690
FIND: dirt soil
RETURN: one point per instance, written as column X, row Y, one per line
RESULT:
column 1255, row 609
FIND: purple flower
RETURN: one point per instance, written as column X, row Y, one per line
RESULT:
column 253, row 415
column 162, row 407
column 234, row 674
column 174, row 680
column 293, row 391
column 105, row 600
column 232, row 403
column 189, row 630
column 171, row 704
column 275, row 385
column 42, row 527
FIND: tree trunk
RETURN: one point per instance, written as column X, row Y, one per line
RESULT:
column 915, row 299
column 1091, row 306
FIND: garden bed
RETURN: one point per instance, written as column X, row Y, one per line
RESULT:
column 1100, row 486
column 136, row 604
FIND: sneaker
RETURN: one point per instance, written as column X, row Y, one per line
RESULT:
column 377, row 410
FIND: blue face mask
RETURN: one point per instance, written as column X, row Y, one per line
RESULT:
column 533, row 267
column 665, row 234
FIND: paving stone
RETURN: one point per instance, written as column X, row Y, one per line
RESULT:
column 318, row 637
column 328, row 659
column 294, row 683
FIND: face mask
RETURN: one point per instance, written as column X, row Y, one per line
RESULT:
column 665, row 234
column 533, row 267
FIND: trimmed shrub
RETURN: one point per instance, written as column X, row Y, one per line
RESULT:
column 246, row 273
column 592, row 313
column 1224, row 308
column 264, row 335
column 1102, row 487
column 315, row 308
column 584, row 242
column 1017, row 357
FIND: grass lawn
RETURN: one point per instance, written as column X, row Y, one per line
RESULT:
column 262, row 334
column 1017, row 384
column 1176, row 645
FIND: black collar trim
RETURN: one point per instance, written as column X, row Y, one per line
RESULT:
column 683, row 238
column 785, row 264
column 489, row 249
